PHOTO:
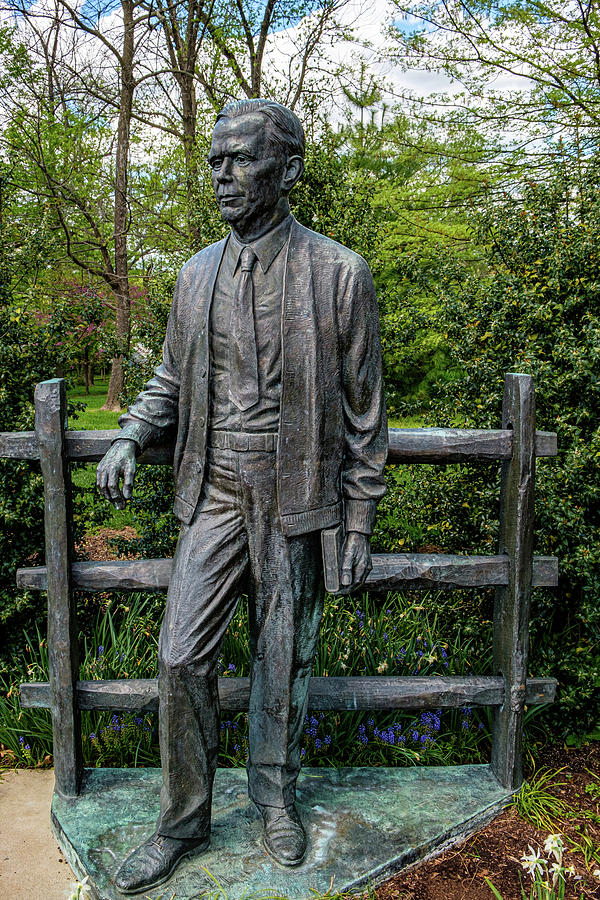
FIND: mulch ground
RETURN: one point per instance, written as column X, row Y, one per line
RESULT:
column 496, row 850
column 99, row 546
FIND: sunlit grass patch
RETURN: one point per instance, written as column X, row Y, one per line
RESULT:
column 93, row 417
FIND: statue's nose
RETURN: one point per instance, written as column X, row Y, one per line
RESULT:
column 224, row 173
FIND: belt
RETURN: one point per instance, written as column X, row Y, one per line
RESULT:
column 240, row 440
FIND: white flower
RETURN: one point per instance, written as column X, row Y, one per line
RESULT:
column 556, row 869
column 533, row 863
column 553, row 846
column 597, row 874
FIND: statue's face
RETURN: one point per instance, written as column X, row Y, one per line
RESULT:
column 247, row 171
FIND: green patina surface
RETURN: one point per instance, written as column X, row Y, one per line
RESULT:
column 364, row 824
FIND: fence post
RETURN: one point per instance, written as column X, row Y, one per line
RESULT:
column 511, row 608
column 63, row 657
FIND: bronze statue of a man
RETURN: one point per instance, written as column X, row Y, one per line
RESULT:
column 271, row 377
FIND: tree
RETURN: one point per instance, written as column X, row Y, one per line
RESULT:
column 530, row 69
column 423, row 180
column 78, row 325
column 123, row 48
column 100, row 76
column 62, row 117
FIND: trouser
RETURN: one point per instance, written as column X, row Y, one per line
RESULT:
column 235, row 544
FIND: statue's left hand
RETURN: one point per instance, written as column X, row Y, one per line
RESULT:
column 356, row 561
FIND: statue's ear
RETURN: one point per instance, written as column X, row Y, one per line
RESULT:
column 293, row 172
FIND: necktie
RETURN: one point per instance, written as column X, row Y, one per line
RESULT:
column 242, row 347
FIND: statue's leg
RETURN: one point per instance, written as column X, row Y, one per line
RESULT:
column 286, row 606
column 209, row 566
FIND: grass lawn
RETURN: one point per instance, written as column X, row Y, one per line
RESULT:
column 93, row 418
column 96, row 418
column 406, row 422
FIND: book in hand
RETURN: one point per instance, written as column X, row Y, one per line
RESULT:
column 332, row 545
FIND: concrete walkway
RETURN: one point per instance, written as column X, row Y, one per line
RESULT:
column 31, row 865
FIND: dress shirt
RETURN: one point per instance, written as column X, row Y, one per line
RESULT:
column 267, row 280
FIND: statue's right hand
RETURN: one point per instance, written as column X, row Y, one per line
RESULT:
column 117, row 465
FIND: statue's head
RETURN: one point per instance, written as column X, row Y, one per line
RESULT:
column 256, row 157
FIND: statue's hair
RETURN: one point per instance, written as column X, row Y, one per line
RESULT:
column 287, row 132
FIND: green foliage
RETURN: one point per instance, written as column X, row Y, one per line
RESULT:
column 582, row 738
column 550, row 49
column 414, row 352
column 150, row 510
column 422, row 176
column 536, row 803
column 401, row 638
column 90, row 512
column 537, row 310
column 336, row 200
column 121, row 643
column 450, row 509
column 27, row 355
column 77, row 325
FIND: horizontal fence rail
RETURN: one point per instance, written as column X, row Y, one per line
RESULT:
column 390, row 571
column 325, row 693
column 456, row 445
column 416, row 445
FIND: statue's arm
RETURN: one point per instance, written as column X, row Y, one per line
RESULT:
column 150, row 417
column 366, row 435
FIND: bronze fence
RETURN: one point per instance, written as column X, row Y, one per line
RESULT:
column 513, row 571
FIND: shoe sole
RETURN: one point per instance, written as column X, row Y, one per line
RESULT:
column 148, row 887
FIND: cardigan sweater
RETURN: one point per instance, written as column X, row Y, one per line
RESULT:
column 332, row 438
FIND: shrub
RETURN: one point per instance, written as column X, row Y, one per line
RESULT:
column 536, row 309
column 27, row 355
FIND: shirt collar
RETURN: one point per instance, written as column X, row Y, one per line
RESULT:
column 266, row 247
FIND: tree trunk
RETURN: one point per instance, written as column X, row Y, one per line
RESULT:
column 121, row 276
column 190, row 150
column 115, row 385
column 85, row 370
column 183, row 39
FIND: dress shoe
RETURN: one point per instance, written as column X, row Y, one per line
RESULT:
column 284, row 836
column 154, row 861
